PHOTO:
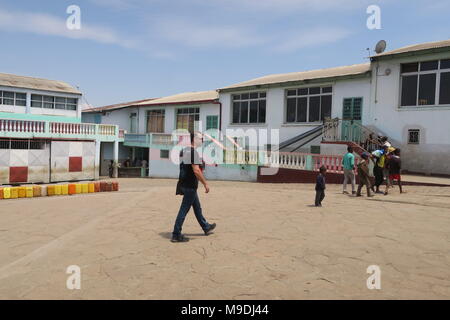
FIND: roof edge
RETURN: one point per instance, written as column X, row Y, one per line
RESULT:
column 409, row 53
column 364, row 74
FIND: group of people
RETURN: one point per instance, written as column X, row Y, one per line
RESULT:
column 387, row 169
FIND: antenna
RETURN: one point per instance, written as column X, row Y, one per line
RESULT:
column 380, row 47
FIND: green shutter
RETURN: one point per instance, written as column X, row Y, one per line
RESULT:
column 212, row 122
column 347, row 112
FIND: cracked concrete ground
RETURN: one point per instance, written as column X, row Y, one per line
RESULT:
column 270, row 243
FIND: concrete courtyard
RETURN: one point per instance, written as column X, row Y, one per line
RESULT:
column 270, row 243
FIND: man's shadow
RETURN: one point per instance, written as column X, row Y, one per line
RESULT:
column 168, row 235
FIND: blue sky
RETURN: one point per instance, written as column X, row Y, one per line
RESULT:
column 137, row 49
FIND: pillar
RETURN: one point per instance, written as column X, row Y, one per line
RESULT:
column 97, row 159
column 116, row 159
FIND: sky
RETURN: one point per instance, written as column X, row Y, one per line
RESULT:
column 137, row 49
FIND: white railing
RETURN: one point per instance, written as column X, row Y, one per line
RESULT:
column 10, row 125
column 289, row 160
column 72, row 128
column 55, row 128
column 106, row 130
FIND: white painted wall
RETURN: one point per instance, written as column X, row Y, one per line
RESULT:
column 164, row 168
column 206, row 109
column 433, row 152
column 41, row 111
column 276, row 107
column 121, row 117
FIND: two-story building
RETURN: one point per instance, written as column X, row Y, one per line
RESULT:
column 149, row 125
column 403, row 94
column 42, row 138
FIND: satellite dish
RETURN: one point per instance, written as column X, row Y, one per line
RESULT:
column 380, row 47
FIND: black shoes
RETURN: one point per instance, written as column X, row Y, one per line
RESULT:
column 179, row 238
column 211, row 228
column 183, row 238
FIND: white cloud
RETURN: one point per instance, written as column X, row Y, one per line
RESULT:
column 45, row 24
column 288, row 5
column 312, row 37
column 115, row 4
column 199, row 35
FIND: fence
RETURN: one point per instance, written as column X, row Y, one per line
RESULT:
column 31, row 129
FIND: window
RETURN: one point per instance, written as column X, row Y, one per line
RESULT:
column 133, row 122
column 187, row 118
column 413, row 136
column 155, row 120
column 51, row 102
column 352, row 109
column 308, row 104
column 425, row 83
column 11, row 98
column 22, row 144
column 212, row 122
column 164, row 154
column 249, row 108
column 315, row 149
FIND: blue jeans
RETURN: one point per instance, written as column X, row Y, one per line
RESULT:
column 190, row 199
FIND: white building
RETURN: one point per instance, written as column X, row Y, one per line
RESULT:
column 42, row 138
column 404, row 94
column 149, row 125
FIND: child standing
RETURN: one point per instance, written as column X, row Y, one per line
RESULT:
column 363, row 173
column 320, row 186
column 394, row 165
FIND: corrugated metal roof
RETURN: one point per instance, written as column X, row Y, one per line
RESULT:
column 12, row 80
column 183, row 98
column 304, row 75
column 416, row 47
column 116, row 106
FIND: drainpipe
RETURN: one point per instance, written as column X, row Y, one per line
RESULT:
column 220, row 114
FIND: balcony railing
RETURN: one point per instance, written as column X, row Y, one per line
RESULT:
column 7, row 125
column 351, row 131
column 162, row 139
column 51, row 129
column 288, row 160
column 137, row 139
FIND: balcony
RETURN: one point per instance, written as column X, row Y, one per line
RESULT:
column 154, row 140
column 28, row 129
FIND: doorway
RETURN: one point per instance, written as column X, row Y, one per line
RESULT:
column 351, row 119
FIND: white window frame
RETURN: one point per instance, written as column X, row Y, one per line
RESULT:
column 162, row 114
column 66, row 103
column 14, row 98
column 177, row 110
column 248, row 123
column 437, row 71
column 307, row 103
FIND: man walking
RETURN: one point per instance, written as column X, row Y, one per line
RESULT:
column 349, row 166
column 363, row 173
column 190, row 174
